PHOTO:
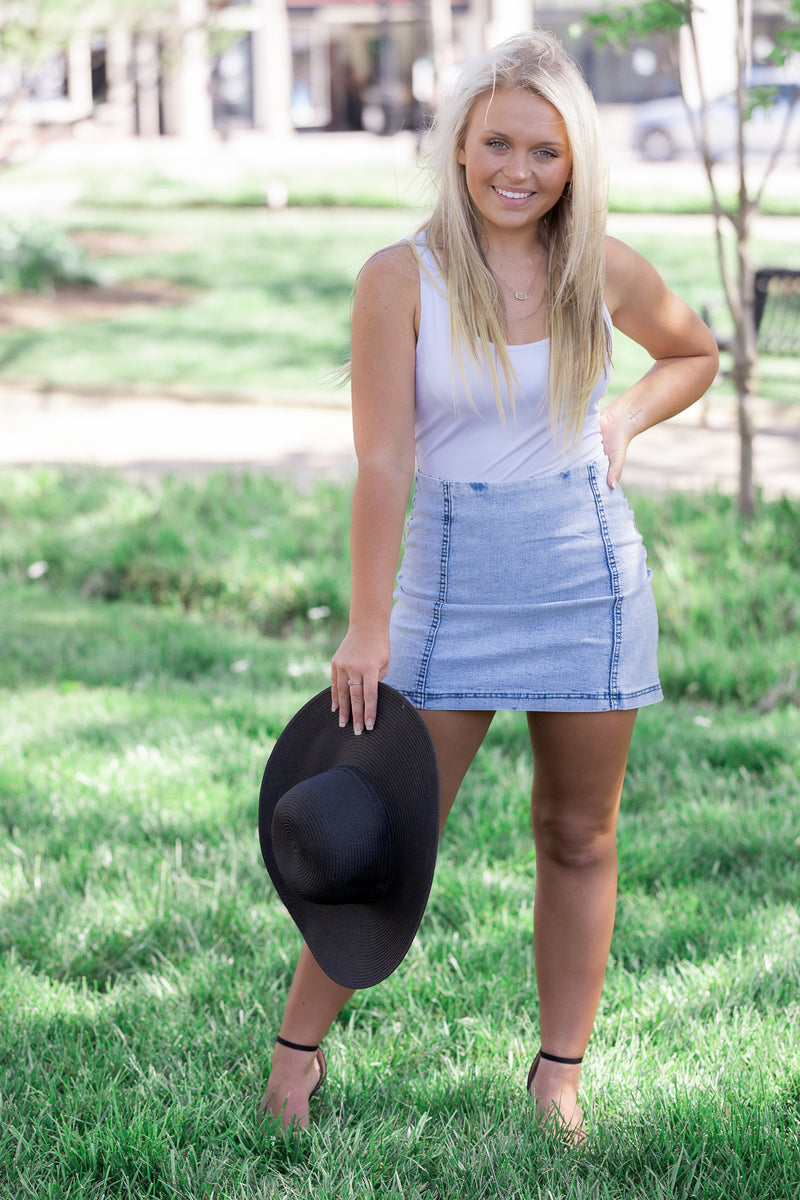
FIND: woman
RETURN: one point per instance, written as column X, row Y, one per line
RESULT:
column 481, row 352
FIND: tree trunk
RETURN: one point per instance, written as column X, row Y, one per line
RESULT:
column 744, row 396
column 745, row 358
column 745, row 349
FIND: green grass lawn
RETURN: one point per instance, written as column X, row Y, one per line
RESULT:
column 267, row 304
column 155, row 640
column 267, row 307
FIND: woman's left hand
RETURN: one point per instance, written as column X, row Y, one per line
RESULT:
column 617, row 428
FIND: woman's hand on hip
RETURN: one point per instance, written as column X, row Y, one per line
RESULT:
column 361, row 661
column 618, row 428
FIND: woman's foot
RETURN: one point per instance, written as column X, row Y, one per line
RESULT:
column 297, row 1074
column 553, row 1087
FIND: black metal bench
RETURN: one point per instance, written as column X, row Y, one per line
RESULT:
column 777, row 312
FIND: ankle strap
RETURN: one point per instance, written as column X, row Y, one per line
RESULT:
column 571, row 1062
column 295, row 1045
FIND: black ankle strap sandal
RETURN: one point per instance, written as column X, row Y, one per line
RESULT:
column 571, row 1062
column 323, row 1069
column 282, row 1041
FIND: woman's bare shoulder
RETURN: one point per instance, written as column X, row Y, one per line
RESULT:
column 389, row 284
column 397, row 262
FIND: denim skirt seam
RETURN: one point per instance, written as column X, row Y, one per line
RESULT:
column 436, row 614
column 616, row 606
column 594, row 701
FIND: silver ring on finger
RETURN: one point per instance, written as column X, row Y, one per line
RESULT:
column 354, row 683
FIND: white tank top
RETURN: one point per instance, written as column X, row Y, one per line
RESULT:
column 459, row 434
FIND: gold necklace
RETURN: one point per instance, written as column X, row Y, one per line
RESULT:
column 517, row 295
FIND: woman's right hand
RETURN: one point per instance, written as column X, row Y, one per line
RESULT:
column 361, row 661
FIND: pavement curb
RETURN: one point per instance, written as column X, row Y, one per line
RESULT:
column 181, row 393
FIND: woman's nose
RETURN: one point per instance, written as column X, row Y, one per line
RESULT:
column 517, row 167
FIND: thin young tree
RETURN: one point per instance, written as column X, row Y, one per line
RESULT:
column 733, row 222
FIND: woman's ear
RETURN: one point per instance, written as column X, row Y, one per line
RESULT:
column 462, row 156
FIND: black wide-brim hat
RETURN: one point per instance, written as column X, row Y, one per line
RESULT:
column 349, row 828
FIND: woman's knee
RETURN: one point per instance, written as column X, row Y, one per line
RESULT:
column 575, row 840
column 579, row 768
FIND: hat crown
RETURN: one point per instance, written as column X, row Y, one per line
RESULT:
column 331, row 838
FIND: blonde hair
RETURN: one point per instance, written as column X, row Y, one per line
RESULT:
column 573, row 231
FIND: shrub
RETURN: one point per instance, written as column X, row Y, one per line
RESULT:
column 38, row 258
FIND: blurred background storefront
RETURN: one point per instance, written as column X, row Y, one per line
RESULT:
column 212, row 68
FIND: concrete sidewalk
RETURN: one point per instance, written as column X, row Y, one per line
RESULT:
column 148, row 436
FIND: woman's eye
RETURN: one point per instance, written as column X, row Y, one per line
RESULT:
column 496, row 144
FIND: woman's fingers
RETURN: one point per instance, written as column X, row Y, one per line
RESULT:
column 340, row 699
column 614, row 470
column 356, row 668
column 352, row 697
column 356, row 689
column 370, row 703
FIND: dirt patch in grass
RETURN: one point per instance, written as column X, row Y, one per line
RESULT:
column 123, row 243
column 36, row 310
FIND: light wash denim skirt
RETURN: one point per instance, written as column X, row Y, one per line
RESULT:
column 533, row 594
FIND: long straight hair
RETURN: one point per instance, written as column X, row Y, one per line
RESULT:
column 573, row 232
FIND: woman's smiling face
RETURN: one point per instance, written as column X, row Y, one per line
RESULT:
column 516, row 158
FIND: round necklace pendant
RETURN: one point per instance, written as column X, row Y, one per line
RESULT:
column 520, row 295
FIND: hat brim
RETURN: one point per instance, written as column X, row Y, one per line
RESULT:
column 358, row 945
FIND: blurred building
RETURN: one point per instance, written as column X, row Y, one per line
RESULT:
column 395, row 55
column 217, row 66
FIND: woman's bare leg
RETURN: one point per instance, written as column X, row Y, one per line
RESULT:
column 314, row 999
column 457, row 738
column 579, row 768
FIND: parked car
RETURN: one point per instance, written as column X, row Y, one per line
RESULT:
column 663, row 129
